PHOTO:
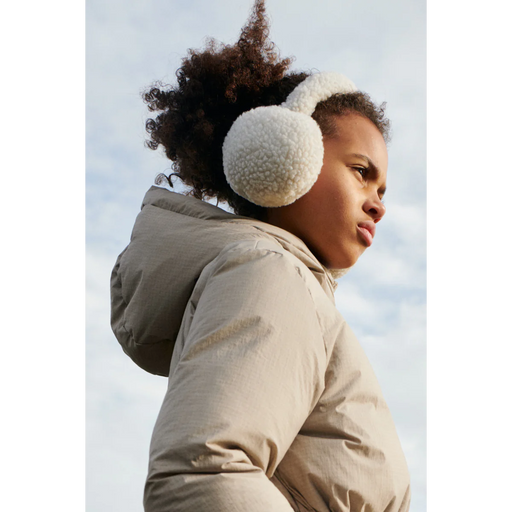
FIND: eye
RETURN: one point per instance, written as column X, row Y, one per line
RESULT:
column 363, row 171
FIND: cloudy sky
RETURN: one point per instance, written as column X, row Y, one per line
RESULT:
column 381, row 46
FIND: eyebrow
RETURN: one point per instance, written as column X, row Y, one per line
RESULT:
column 372, row 166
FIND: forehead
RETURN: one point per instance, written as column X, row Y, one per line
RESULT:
column 357, row 134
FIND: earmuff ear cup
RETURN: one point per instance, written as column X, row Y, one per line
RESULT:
column 272, row 155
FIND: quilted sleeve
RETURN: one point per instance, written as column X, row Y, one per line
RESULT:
column 247, row 371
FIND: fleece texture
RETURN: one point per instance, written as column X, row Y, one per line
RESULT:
column 316, row 88
column 273, row 155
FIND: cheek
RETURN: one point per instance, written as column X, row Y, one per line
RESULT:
column 332, row 200
column 328, row 219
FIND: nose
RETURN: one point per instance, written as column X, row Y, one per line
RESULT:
column 375, row 208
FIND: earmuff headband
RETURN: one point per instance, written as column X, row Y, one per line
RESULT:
column 273, row 155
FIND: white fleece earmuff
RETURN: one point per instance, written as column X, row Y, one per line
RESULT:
column 273, row 155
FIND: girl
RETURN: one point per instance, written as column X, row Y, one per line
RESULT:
column 271, row 403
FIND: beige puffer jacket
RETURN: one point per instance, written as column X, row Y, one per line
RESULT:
column 272, row 404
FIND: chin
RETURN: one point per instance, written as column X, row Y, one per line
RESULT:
column 336, row 257
column 340, row 261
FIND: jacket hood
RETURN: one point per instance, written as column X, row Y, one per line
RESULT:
column 173, row 239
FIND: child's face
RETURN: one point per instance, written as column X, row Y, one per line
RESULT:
column 336, row 218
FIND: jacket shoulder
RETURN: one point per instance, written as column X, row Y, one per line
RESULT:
column 262, row 249
column 262, row 270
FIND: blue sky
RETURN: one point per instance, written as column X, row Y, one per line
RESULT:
column 381, row 46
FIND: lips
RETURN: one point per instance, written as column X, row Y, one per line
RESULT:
column 367, row 232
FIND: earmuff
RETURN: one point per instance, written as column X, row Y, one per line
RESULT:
column 273, row 155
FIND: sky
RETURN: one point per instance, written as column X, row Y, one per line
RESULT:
column 381, row 46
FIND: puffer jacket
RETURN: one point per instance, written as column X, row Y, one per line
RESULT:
column 271, row 403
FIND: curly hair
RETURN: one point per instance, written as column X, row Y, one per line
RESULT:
column 215, row 86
